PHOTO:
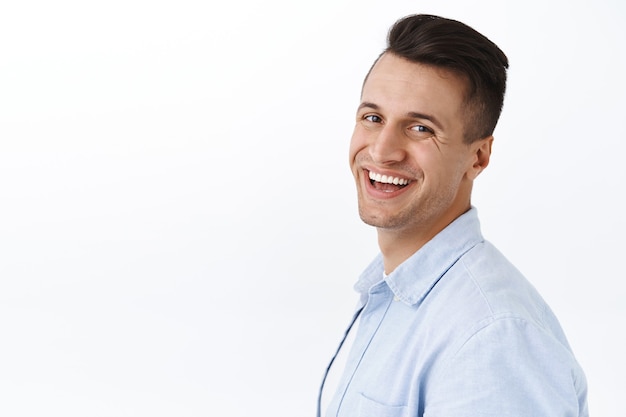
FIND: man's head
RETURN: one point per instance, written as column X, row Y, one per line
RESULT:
column 454, row 46
column 423, row 127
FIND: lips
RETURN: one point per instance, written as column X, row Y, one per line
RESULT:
column 387, row 183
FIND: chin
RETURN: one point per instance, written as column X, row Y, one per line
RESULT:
column 380, row 220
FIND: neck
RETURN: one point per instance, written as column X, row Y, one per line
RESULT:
column 399, row 245
column 397, row 248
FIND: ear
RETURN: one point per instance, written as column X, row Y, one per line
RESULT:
column 481, row 152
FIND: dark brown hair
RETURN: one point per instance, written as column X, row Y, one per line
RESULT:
column 454, row 46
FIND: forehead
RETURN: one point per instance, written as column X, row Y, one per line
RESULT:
column 398, row 81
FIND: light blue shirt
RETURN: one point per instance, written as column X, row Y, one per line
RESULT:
column 457, row 331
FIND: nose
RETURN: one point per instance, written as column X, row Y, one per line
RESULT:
column 388, row 146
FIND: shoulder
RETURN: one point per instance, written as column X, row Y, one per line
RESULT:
column 509, row 366
column 480, row 289
column 500, row 287
column 507, row 351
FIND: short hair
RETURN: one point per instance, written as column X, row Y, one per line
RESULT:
column 452, row 45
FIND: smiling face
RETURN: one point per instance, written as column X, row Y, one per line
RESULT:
column 413, row 171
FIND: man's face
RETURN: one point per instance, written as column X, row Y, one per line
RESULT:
column 412, row 169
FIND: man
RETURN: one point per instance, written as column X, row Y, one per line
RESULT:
column 447, row 326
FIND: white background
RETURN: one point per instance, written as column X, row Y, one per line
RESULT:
column 178, row 226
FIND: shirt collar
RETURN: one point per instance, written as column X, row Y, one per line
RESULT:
column 413, row 279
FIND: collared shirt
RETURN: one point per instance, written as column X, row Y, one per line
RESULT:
column 456, row 330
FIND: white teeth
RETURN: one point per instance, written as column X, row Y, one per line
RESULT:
column 388, row 179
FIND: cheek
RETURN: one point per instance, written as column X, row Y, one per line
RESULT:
column 357, row 143
column 456, row 168
column 438, row 167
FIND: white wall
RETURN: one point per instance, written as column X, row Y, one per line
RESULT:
column 178, row 230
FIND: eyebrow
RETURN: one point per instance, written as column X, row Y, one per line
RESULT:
column 411, row 114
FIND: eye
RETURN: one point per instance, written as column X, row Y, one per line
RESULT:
column 421, row 132
column 373, row 118
column 422, row 129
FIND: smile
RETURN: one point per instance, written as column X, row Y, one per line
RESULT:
column 386, row 183
column 387, row 179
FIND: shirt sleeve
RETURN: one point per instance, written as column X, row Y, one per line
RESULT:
column 509, row 367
